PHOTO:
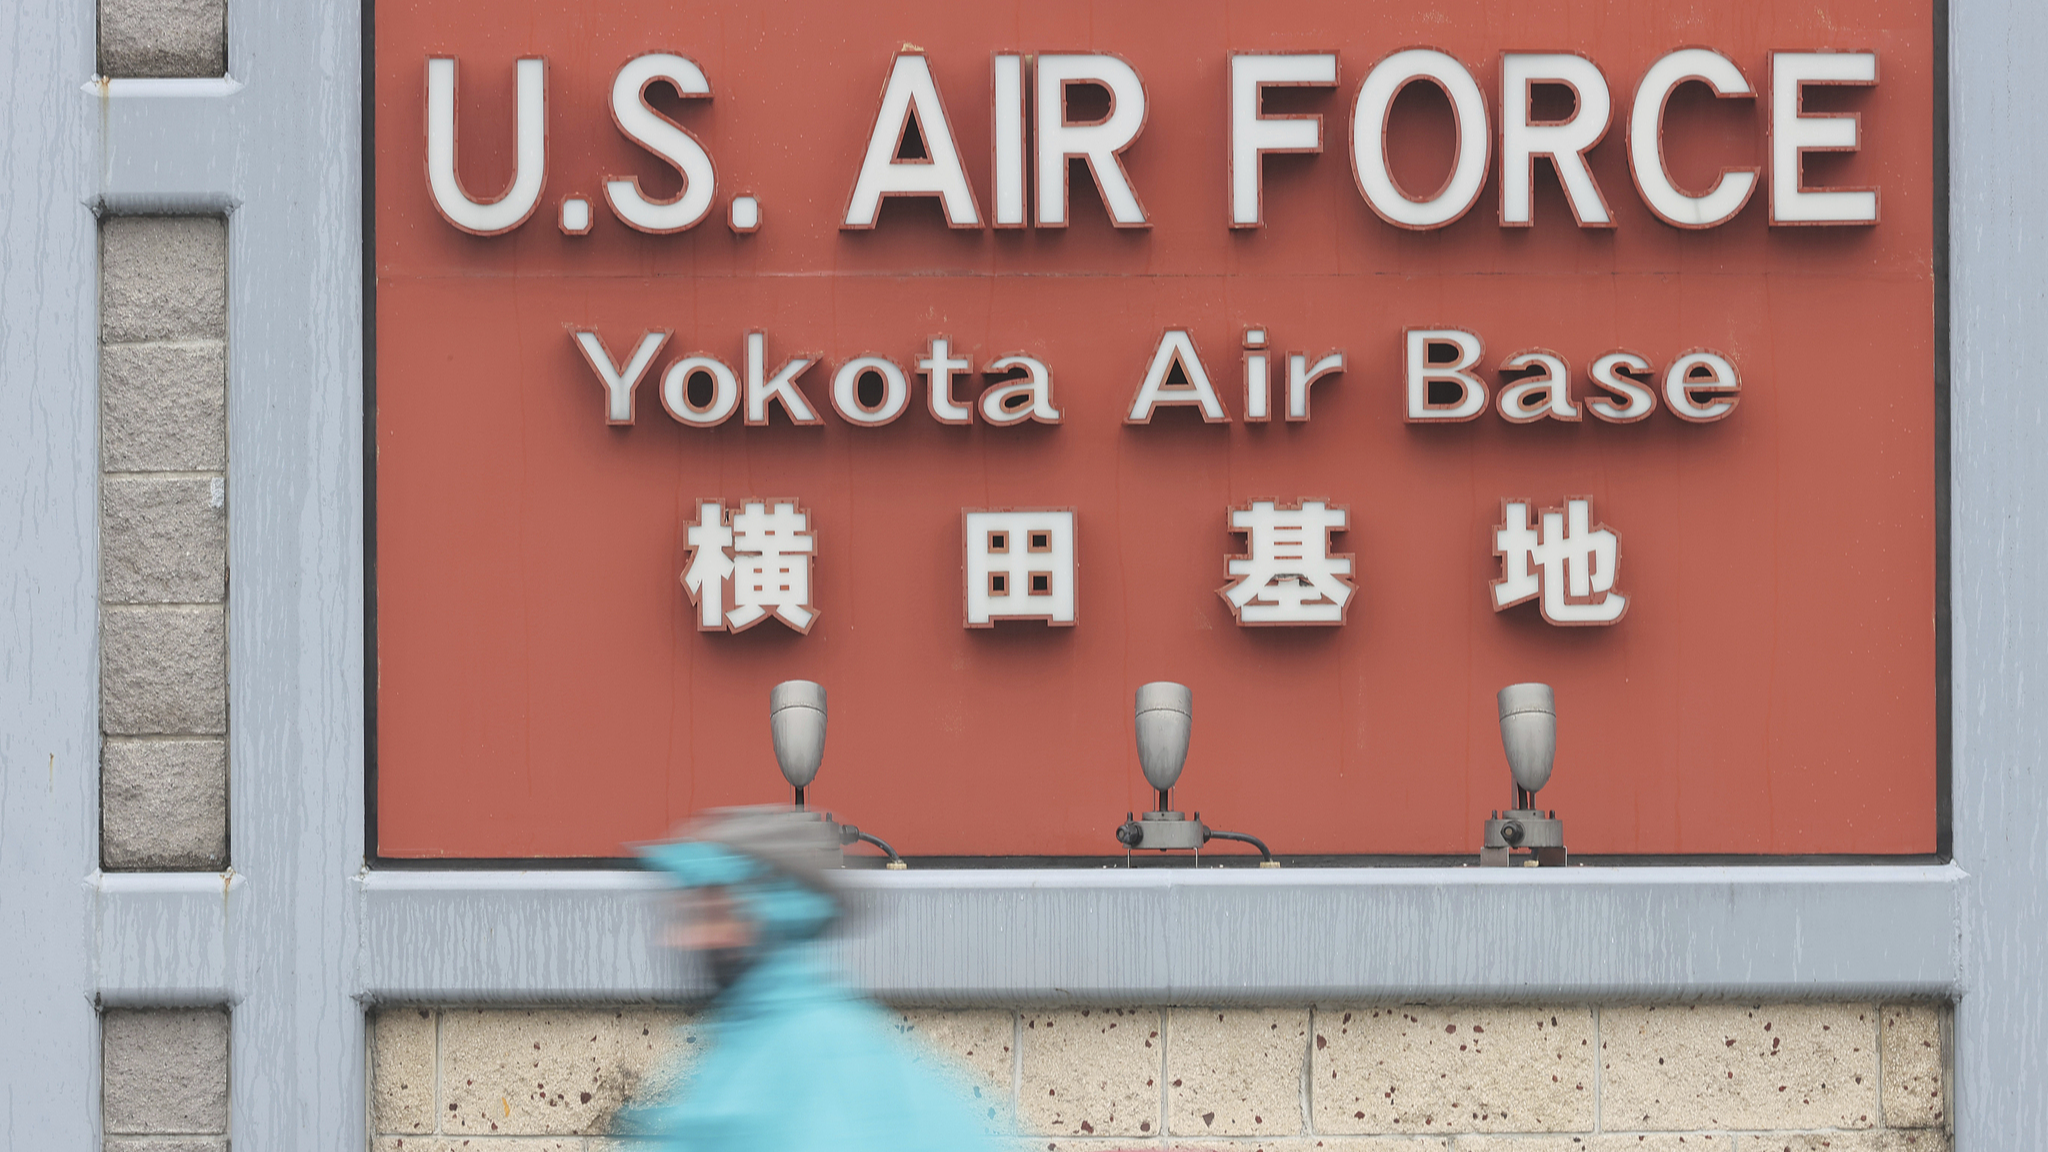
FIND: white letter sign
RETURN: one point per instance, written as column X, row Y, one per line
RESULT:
column 781, row 387
column 1717, row 205
column 1016, row 401
column 1794, row 133
column 911, row 97
column 1008, row 187
column 1612, row 373
column 1421, row 370
column 1020, row 566
column 940, row 366
column 619, row 382
column 1097, row 142
column 846, row 391
column 1176, row 349
column 766, row 574
column 1538, row 397
column 656, row 133
column 1301, row 374
column 1568, row 568
column 725, row 391
column 1369, row 140
column 1252, row 135
column 1288, row 575
column 1565, row 141
column 529, row 166
column 1701, row 374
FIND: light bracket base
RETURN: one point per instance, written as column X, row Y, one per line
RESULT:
column 1168, row 832
column 1530, row 830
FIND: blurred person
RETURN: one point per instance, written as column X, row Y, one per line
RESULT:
column 796, row 1061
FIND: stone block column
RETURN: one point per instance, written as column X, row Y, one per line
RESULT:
column 163, row 37
column 163, row 543
column 164, row 1080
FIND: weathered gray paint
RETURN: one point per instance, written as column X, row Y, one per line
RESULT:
column 49, row 653
column 1220, row 936
column 167, row 938
column 299, row 935
column 276, row 147
column 1998, row 180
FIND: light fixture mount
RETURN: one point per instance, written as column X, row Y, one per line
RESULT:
column 796, row 726
column 1163, row 724
column 1528, row 735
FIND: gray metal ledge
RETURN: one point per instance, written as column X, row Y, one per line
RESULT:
column 1219, row 936
column 164, row 938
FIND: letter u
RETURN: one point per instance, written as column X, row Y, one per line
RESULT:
column 530, row 166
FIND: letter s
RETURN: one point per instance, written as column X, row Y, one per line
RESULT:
column 663, row 137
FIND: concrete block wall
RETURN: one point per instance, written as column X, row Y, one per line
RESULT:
column 1825, row 1077
column 451, row 1078
column 163, row 543
column 164, row 1080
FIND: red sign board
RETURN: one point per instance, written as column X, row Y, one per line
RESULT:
column 1345, row 363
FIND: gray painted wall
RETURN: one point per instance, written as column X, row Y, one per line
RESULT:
column 1998, row 314
column 49, row 712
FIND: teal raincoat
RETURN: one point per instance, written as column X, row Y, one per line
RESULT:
column 796, row 1061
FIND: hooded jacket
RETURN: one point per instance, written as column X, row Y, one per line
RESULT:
column 795, row 1061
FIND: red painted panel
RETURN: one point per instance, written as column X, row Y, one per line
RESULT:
column 543, row 690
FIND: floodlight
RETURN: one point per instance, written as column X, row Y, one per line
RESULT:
column 1528, row 736
column 1164, row 723
column 796, row 726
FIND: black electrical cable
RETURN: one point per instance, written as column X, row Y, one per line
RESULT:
column 1254, row 841
column 878, row 842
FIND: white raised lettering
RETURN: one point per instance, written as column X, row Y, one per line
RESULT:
column 659, row 135
column 1612, row 372
column 1253, row 135
column 1702, row 373
column 1369, row 139
column 1019, row 400
column 911, row 96
column 619, row 382
column 530, row 153
column 1565, row 141
column 1176, row 349
column 725, row 391
column 1731, row 190
column 1794, row 133
column 1098, row 143
column 779, row 387
column 1421, row 370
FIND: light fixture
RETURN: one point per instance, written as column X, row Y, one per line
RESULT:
column 796, row 725
column 1528, row 734
column 1165, row 720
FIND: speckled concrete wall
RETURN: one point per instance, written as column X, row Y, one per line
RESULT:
column 1342, row 1078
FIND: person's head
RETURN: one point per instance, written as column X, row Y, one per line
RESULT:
column 707, row 919
column 749, row 880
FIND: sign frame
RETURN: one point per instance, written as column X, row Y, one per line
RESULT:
column 1942, row 642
